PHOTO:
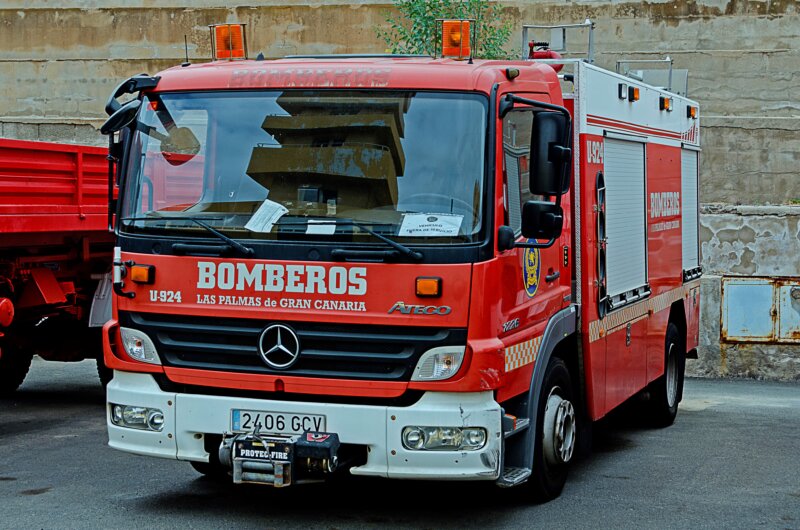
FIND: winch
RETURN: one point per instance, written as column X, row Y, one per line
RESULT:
column 279, row 460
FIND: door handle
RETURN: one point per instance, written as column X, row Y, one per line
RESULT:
column 552, row 276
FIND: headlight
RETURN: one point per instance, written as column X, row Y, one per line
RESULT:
column 139, row 346
column 135, row 417
column 443, row 438
column 439, row 363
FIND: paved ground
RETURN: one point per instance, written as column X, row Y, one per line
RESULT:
column 732, row 460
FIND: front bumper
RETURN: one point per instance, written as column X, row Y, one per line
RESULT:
column 189, row 417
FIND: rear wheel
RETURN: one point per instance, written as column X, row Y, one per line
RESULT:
column 14, row 366
column 556, row 429
column 666, row 391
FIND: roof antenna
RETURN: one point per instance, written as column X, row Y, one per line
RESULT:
column 186, row 48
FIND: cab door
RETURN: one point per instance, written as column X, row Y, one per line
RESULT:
column 536, row 282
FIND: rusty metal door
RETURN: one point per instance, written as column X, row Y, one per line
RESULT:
column 761, row 310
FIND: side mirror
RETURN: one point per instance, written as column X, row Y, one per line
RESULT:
column 180, row 146
column 550, row 154
column 122, row 117
column 542, row 220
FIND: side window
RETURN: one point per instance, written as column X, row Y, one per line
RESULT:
column 517, row 127
column 173, row 172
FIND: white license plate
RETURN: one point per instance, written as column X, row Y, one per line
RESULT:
column 275, row 422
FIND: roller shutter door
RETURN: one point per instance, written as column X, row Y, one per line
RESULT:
column 689, row 230
column 626, row 254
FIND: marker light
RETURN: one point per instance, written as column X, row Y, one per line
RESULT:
column 691, row 112
column 622, row 91
column 665, row 103
column 633, row 93
column 143, row 274
column 455, row 38
column 139, row 346
column 439, row 363
column 429, row 286
column 228, row 41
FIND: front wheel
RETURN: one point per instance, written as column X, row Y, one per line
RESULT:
column 213, row 470
column 556, row 429
column 105, row 373
column 666, row 391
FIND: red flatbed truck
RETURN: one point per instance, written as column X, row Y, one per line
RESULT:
column 55, row 248
column 393, row 266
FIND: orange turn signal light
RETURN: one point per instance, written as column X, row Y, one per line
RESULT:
column 143, row 274
column 228, row 41
column 455, row 38
column 429, row 286
column 691, row 112
column 633, row 93
column 665, row 103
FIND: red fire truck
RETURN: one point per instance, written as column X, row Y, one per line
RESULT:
column 403, row 267
column 55, row 248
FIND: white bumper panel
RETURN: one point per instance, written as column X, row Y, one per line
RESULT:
column 142, row 391
column 379, row 428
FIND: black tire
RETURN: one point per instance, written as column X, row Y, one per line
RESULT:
column 104, row 373
column 551, row 461
column 14, row 366
column 213, row 470
column 666, row 391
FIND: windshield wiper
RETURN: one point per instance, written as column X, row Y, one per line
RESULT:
column 200, row 221
column 402, row 249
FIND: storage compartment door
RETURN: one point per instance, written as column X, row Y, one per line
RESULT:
column 689, row 209
column 626, row 254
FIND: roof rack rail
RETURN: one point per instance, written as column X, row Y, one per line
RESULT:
column 640, row 74
column 359, row 56
column 558, row 37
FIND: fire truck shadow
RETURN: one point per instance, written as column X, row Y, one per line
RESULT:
column 342, row 499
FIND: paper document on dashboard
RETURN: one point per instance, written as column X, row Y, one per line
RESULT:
column 266, row 216
column 430, row 225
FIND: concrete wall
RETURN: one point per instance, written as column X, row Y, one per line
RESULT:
column 746, row 242
column 60, row 60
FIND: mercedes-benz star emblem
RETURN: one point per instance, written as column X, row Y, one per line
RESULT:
column 279, row 346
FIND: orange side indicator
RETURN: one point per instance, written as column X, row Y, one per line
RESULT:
column 143, row 274
column 429, row 287
column 456, row 39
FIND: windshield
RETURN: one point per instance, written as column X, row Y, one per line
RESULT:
column 309, row 165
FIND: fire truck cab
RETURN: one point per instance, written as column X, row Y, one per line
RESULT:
column 404, row 267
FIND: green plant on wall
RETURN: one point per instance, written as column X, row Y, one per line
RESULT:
column 412, row 29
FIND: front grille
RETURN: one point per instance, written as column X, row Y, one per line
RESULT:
column 343, row 351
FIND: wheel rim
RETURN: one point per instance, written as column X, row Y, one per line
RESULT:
column 672, row 377
column 559, row 429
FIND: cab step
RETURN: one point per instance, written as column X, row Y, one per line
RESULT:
column 513, row 476
column 512, row 425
